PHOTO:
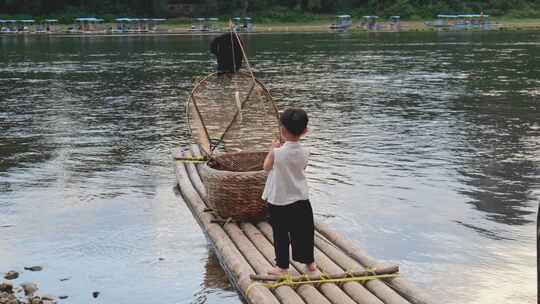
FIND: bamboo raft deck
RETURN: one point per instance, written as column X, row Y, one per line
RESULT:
column 246, row 249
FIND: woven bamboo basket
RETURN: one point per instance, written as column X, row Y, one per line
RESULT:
column 234, row 183
column 234, row 120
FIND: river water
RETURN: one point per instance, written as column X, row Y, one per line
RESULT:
column 424, row 150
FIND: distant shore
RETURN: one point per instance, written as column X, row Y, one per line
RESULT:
column 281, row 27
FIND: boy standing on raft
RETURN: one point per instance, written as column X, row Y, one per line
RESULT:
column 286, row 192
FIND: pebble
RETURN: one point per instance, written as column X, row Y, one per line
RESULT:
column 34, row 268
column 35, row 300
column 11, row 275
column 29, row 288
column 6, row 298
column 6, row 287
column 47, row 297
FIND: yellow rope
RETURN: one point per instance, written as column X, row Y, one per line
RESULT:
column 287, row 281
column 349, row 274
column 371, row 270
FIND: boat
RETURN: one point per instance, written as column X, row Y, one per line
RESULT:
column 86, row 25
column 8, row 26
column 370, row 23
column 135, row 25
column 462, row 22
column 243, row 24
column 204, row 25
column 395, row 23
column 343, row 23
column 245, row 251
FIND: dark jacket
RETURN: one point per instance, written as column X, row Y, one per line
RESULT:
column 226, row 47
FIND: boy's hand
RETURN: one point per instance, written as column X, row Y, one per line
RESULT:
column 276, row 143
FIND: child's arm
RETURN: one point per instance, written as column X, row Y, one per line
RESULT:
column 269, row 160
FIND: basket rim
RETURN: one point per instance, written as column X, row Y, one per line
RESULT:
column 205, row 165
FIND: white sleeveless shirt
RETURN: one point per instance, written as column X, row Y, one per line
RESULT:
column 286, row 182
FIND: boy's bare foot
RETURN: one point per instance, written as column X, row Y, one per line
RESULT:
column 311, row 267
column 277, row 271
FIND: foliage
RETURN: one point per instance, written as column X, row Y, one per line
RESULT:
column 269, row 10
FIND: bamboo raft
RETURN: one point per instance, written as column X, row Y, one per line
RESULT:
column 245, row 252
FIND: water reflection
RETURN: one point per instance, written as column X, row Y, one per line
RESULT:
column 214, row 284
column 500, row 168
column 424, row 149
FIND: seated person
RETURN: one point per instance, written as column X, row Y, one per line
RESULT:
column 227, row 48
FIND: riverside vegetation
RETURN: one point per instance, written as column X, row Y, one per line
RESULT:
column 266, row 11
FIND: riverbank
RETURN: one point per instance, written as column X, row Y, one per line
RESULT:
column 406, row 25
column 320, row 26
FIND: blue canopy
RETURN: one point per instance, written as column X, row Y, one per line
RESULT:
column 447, row 16
column 88, row 19
column 463, row 16
column 473, row 16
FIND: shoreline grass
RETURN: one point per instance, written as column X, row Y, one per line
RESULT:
column 183, row 27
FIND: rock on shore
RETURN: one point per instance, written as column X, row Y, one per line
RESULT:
column 8, row 298
column 11, row 275
column 6, row 287
column 29, row 288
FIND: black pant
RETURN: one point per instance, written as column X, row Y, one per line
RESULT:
column 292, row 224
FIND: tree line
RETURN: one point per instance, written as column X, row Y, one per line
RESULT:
column 279, row 10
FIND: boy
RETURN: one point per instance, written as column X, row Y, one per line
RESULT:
column 286, row 192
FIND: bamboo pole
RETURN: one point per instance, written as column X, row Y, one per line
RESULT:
column 403, row 287
column 197, row 153
column 341, row 275
column 195, row 177
column 377, row 287
column 285, row 293
column 309, row 293
column 222, row 243
column 400, row 285
column 353, row 292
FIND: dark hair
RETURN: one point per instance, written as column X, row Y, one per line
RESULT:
column 294, row 120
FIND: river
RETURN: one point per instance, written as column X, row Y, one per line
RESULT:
column 424, row 151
